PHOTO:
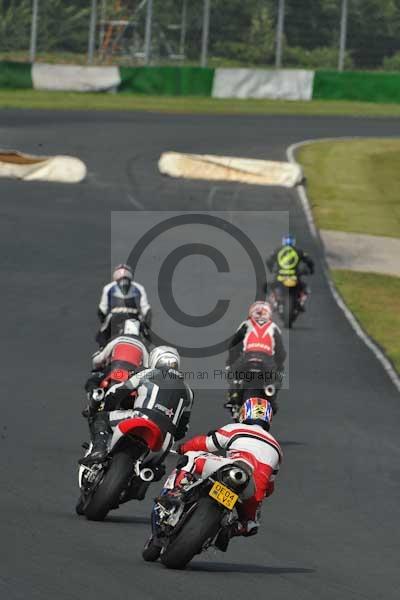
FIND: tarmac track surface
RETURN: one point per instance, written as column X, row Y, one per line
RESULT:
column 331, row 529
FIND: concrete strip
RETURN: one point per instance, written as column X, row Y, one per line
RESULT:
column 228, row 168
column 288, row 84
column 359, row 252
column 75, row 78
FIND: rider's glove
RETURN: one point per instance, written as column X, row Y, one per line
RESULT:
column 180, row 449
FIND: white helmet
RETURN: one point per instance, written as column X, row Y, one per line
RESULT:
column 131, row 327
column 122, row 272
column 164, row 356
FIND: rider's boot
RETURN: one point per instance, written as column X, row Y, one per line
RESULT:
column 100, row 431
column 302, row 303
column 171, row 498
column 246, row 529
column 234, row 396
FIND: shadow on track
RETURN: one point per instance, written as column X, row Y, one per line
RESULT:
column 286, row 443
column 128, row 519
column 217, row 567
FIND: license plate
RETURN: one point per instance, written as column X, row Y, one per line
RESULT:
column 223, row 495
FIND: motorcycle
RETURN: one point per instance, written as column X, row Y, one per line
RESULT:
column 253, row 384
column 114, row 322
column 122, row 476
column 287, row 298
column 202, row 517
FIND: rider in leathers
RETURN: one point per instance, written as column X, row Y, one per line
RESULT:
column 158, row 393
column 287, row 261
column 247, row 441
column 257, row 354
column 122, row 299
column 101, row 360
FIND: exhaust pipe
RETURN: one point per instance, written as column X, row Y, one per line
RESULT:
column 98, row 394
column 146, row 474
column 270, row 390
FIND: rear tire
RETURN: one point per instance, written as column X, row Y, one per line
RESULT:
column 202, row 525
column 107, row 494
column 289, row 311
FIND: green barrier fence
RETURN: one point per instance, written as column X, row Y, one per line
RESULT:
column 15, row 75
column 361, row 86
column 167, row 81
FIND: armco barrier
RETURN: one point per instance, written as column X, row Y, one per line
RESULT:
column 357, row 85
column 167, row 81
column 15, row 75
column 196, row 81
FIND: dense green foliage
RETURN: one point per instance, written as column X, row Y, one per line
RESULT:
column 63, row 24
column 242, row 33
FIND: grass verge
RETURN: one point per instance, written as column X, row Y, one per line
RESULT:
column 353, row 186
column 374, row 299
column 190, row 105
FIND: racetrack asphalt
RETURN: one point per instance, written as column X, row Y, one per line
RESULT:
column 331, row 529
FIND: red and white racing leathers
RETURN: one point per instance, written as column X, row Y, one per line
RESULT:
column 249, row 443
column 125, row 348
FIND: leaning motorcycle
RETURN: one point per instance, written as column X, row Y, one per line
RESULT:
column 205, row 512
column 122, row 476
column 286, row 299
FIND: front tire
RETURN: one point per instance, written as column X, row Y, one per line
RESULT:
column 107, row 494
column 151, row 552
column 202, row 525
column 79, row 507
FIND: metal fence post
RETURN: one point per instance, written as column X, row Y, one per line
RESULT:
column 147, row 36
column 92, row 32
column 103, row 11
column 206, row 32
column 343, row 34
column 279, row 34
column 183, row 28
column 34, row 28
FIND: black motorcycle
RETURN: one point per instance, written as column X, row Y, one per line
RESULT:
column 124, row 475
column 201, row 517
column 286, row 298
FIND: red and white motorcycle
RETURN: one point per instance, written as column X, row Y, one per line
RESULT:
column 122, row 476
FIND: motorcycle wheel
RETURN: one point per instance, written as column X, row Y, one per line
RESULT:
column 289, row 311
column 79, row 507
column 107, row 494
column 151, row 552
column 202, row 525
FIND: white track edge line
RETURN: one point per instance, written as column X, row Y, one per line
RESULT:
column 363, row 335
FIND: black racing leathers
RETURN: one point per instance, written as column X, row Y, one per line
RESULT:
column 162, row 395
column 287, row 261
column 159, row 394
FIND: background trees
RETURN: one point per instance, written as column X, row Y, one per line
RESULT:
column 242, row 31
